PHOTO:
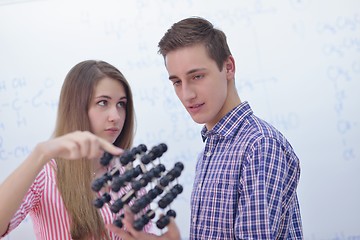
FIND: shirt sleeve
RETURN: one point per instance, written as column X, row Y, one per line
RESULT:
column 30, row 201
column 267, row 191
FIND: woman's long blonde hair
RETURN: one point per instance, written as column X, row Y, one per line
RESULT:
column 74, row 177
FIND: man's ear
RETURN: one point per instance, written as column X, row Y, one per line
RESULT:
column 230, row 67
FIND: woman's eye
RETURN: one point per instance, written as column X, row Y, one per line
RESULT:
column 102, row 103
column 122, row 104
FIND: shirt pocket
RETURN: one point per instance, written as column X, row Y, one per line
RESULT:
column 223, row 192
column 219, row 201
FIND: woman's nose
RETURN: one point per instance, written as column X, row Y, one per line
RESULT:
column 114, row 114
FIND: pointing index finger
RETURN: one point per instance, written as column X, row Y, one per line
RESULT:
column 110, row 148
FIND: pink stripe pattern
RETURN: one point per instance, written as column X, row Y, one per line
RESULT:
column 46, row 208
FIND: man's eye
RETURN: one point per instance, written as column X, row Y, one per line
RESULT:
column 198, row 76
column 176, row 83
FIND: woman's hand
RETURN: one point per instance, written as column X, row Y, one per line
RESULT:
column 130, row 233
column 76, row 145
column 73, row 145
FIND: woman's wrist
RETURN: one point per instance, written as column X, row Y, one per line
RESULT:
column 39, row 155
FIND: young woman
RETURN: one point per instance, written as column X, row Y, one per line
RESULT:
column 95, row 114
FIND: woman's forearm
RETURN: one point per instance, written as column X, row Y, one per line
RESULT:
column 16, row 185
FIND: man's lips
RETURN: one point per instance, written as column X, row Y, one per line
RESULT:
column 195, row 107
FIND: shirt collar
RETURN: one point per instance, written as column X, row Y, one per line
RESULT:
column 232, row 120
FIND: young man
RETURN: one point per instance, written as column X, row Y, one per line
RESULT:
column 246, row 178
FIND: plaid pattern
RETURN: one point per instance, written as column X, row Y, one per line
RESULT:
column 245, row 183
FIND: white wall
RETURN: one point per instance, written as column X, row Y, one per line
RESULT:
column 298, row 64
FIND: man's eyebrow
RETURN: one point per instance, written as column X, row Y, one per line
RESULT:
column 187, row 73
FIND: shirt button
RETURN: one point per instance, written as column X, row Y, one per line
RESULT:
column 194, row 220
column 208, row 154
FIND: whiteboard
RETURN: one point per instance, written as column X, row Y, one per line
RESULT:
column 298, row 65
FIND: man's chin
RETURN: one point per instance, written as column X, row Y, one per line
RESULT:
column 198, row 120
